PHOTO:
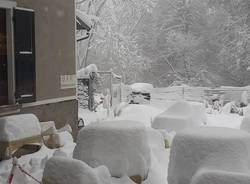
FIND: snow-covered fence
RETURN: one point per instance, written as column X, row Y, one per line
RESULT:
column 90, row 86
column 178, row 93
column 198, row 93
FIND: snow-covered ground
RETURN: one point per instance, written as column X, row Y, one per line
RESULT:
column 35, row 163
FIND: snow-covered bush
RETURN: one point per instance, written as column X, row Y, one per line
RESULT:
column 213, row 149
column 62, row 170
column 180, row 115
column 18, row 127
column 122, row 146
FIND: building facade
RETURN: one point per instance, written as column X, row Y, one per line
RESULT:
column 38, row 60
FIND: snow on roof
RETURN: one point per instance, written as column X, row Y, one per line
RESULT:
column 17, row 127
column 84, row 72
column 142, row 87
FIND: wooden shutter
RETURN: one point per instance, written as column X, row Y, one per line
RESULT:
column 24, row 36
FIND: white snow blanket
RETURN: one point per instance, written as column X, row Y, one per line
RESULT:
column 85, row 72
column 224, row 120
column 141, row 113
column 122, row 146
column 142, row 87
column 179, row 116
column 18, row 127
column 62, row 170
column 215, row 149
column 245, row 124
column 207, row 176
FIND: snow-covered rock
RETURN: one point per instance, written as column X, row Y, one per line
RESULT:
column 18, row 127
column 179, row 116
column 206, row 176
column 47, row 127
column 122, row 146
column 222, row 149
column 61, row 170
column 85, row 72
column 142, row 87
column 60, row 139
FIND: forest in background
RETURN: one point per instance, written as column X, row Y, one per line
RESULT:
column 164, row 42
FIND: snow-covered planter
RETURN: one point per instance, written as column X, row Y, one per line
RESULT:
column 62, row 170
column 211, row 149
column 120, row 145
column 16, row 131
column 179, row 116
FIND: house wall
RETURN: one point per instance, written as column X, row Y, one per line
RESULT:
column 55, row 45
column 55, row 56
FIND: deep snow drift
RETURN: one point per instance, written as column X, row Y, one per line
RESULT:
column 213, row 149
column 122, row 146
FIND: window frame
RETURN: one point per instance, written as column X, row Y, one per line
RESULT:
column 9, row 6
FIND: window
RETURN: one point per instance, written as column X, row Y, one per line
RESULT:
column 3, row 59
column 17, row 55
column 24, row 55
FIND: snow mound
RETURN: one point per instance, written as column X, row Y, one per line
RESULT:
column 61, row 170
column 141, row 113
column 155, row 138
column 224, row 120
column 226, row 109
column 122, row 146
column 179, row 116
column 193, row 150
column 85, row 72
column 220, row 177
column 142, row 87
column 245, row 124
column 18, row 127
